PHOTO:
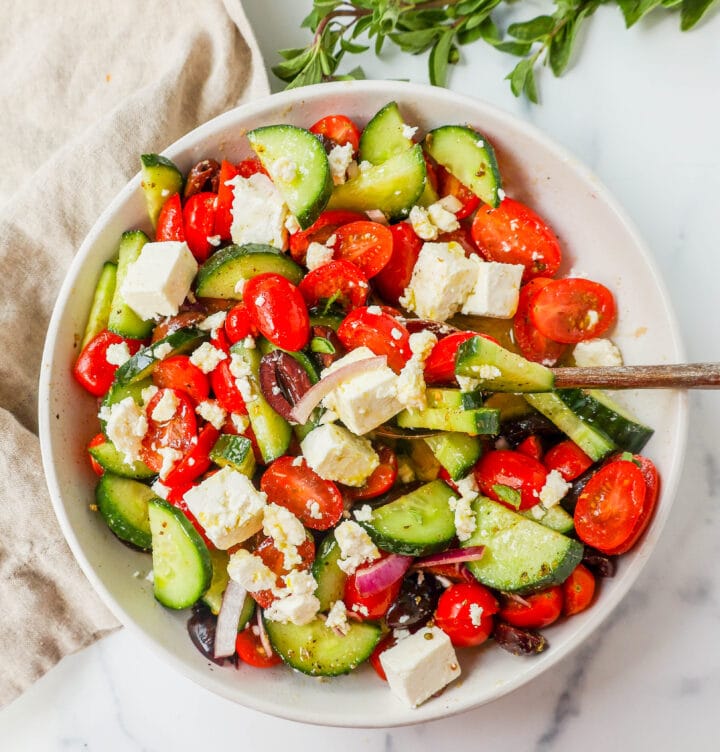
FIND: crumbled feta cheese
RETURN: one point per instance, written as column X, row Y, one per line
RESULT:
column 125, row 426
column 476, row 612
column 495, row 291
column 396, row 334
column 240, row 286
column 296, row 601
column 166, row 406
column 596, row 353
column 364, row 166
column 421, row 223
column 249, row 342
column 356, row 547
column 207, row 358
column 212, row 412
column 211, row 323
column 313, row 508
column 161, row 351
column 250, row 572
column 159, row 489
column 364, row 514
column 318, row 255
column 292, row 225
column 297, row 461
column 467, row 383
column 501, row 194
column 148, row 393
column 443, row 219
column 554, row 489
column 486, row 372
column 335, row 454
column 118, row 353
column 374, row 310
column 411, row 381
column 287, row 533
column 170, row 457
column 283, row 170
column 450, row 203
column 358, row 608
column 337, row 618
column 465, row 520
column 239, row 367
column 241, row 422
column 339, row 160
column 214, row 240
column 259, row 212
column 409, row 131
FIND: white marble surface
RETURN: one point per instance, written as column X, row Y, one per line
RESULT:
column 642, row 108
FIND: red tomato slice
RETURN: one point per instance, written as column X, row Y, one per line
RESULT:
column 440, row 365
column 538, row 610
column 339, row 280
column 296, row 487
column 503, row 467
column 465, row 613
column 382, row 479
column 91, row 370
column 381, row 332
column 250, row 650
column 175, row 497
column 96, row 440
column 449, row 185
column 369, row 607
column 578, row 590
column 225, row 389
column 318, row 232
column 395, row 276
column 196, row 460
column 177, row 433
column 278, row 310
column 514, row 234
column 339, row 129
column 199, row 218
column 170, row 225
column 534, row 345
column 238, row 324
column 179, row 373
column 573, row 309
column 250, row 166
column 385, row 644
column 568, row 459
column 532, row 447
column 265, row 548
column 368, row 245
column 225, row 195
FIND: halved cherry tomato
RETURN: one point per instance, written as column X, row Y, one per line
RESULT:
column 196, row 460
column 179, row 373
column 465, row 613
column 173, row 323
column 578, row 590
column 514, row 234
column 175, row 496
column 531, row 446
column 297, row 487
column 573, row 309
column 225, row 196
column 92, row 370
column 170, row 225
column 225, row 389
column 250, row 650
column 339, row 280
column 339, row 129
column 463, row 236
column 377, row 604
column 443, row 474
column 453, row 572
column 199, row 218
column 382, row 478
column 96, row 440
column 568, row 459
column 318, row 232
column 278, row 310
column 440, row 365
column 395, row 276
column 219, row 340
column 263, row 546
column 449, row 185
column 534, row 611
column 534, row 345
column 250, row 166
column 379, row 331
column 503, row 467
column 177, row 433
column 368, row 245
column 238, row 323
column 385, row 644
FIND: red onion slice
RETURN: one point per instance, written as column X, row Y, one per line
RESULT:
column 301, row 412
column 453, row 556
column 228, row 619
column 263, row 635
column 381, row 573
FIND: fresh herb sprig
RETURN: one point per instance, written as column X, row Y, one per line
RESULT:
column 442, row 27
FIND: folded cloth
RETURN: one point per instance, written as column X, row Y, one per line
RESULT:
column 85, row 88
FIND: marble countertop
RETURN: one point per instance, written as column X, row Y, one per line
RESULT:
column 642, row 109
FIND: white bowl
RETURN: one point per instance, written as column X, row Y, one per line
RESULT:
column 598, row 240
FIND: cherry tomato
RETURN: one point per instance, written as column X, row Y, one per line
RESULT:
column 443, row 474
column 339, row 129
column 568, row 459
column 264, row 547
column 534, row 345
column 199, row 218
column 381, row 332
column 250, row 650
column 503, row 467
column 573, row 309
column 368, row 245
column 538, row 610
column 278, row 310
column 394, row 277
column 339, row 280
column 319, row 232
column 385, row 644
column 196, row 460
column 225, row 389
column 170, row 225
column 250, row 166
column 175, row 496
column 440, row 365
column 382, row 478
column 449, row 185
column 177, row 433
column 219, row 340
column 296, row 486
column 96, row 440
column 92, row 370
column 238, row 324
column 179, row 373
column 532, row 447
column 377, row 604
column 465, row 613
column 225, row 196
column 578, row 590
column 173, row 323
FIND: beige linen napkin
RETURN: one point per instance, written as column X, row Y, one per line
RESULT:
column 85, row 87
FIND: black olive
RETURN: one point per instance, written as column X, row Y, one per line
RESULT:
column 201, row 628
column 416, row 601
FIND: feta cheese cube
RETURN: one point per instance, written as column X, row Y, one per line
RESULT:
column 335, row 454
column 355, row 545
column 496, row 290
column 596, row 353
column 317, row 255
column 420, row 665
column 159, row 280
column 259, row 212
column 125, row 426
column 339, row 160
column 250, row 572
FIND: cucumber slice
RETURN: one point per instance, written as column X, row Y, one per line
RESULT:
column 556, row 518
column 521, row 555
column 333, row 320
column 309, row 188
column 469, row 156
column 595, row 444
column 454, row 399
column 510, row 405
column 214, row 594
column 219, row 275
column 160, row 179
column 517, row 374
column 102, row 303
column 394, row 186
column 235, row 451
column 123, row 503
column 418, row 523
column 383, row 135
column 473, row 422
column 456, row 452
column 604, row 414
column 319, row 651
column 118, row 392
column 181, row 560
column 122, row 319
column 109, row 458
column 330, row 578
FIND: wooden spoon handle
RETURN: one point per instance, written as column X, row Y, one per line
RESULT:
column 676, row 376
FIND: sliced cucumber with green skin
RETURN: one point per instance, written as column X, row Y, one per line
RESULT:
column 109, row 458
column 511, row 406
column 456, row 452
column 556, row 518
column 102, row 303
column 393, row 187
column 383, row 136
column 330, row 319
column 418, row 523
column 521, row 555
column 604, row 414
column 453, row 398
column 123, row 503
column 214, row 594
column 330, row 578
column 235, row 451
column 182, row 566
column 122, row 319
column 317, row 650
column 219, row 275
column 307, row 183
column 118, row 392
column 594, row 443
column 481, row 421
column 160, row 179
column 469, row 156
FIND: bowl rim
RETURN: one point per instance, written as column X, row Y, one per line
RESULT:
column 671, row 475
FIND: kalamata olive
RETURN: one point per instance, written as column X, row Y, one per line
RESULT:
column 283, row 381
column 428, row 325
column 201, row 628
column 416, row 601
column 325, row 360
column 519, row 641
column 327, row 143
column 203, row 176
column 601, row 564
column 516, row 430
column 569, row 501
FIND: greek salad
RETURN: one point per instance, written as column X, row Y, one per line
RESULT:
column 327, row 405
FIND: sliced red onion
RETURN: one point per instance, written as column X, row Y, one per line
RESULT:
column 228, row 619
column 262, row 634
column 301, row 412
column 381, row 573
column 453, row 556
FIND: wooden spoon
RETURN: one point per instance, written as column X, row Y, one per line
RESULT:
column 675, row 376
